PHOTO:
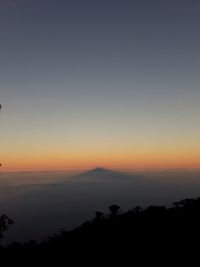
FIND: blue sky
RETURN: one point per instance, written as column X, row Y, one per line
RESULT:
column 96, row 79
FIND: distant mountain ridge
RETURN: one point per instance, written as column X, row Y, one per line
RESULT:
column 100, row 174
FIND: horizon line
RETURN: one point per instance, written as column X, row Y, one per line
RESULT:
column 106, row 168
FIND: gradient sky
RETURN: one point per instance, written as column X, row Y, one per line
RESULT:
column 100, row 82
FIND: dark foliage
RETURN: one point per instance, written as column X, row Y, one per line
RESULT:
column 5, row 223
column 136, row 235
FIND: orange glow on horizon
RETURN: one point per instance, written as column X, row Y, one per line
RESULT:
column 121, row 160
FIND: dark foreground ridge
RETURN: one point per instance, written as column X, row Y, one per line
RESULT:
column 138, row 234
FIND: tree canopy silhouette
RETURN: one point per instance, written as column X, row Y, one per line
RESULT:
column 5, row 223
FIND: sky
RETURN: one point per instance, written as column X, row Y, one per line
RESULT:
column 111, row 83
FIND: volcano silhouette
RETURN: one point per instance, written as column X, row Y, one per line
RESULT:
column 100, row 174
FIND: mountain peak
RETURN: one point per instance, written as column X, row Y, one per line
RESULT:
column 98, row 169
column 100, row 174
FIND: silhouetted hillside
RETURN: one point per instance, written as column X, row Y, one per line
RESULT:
column 149, row 232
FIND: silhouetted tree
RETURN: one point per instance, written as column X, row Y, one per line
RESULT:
column 137, row 209
column 99, row 215
column 5, row 223
column 114, row 209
